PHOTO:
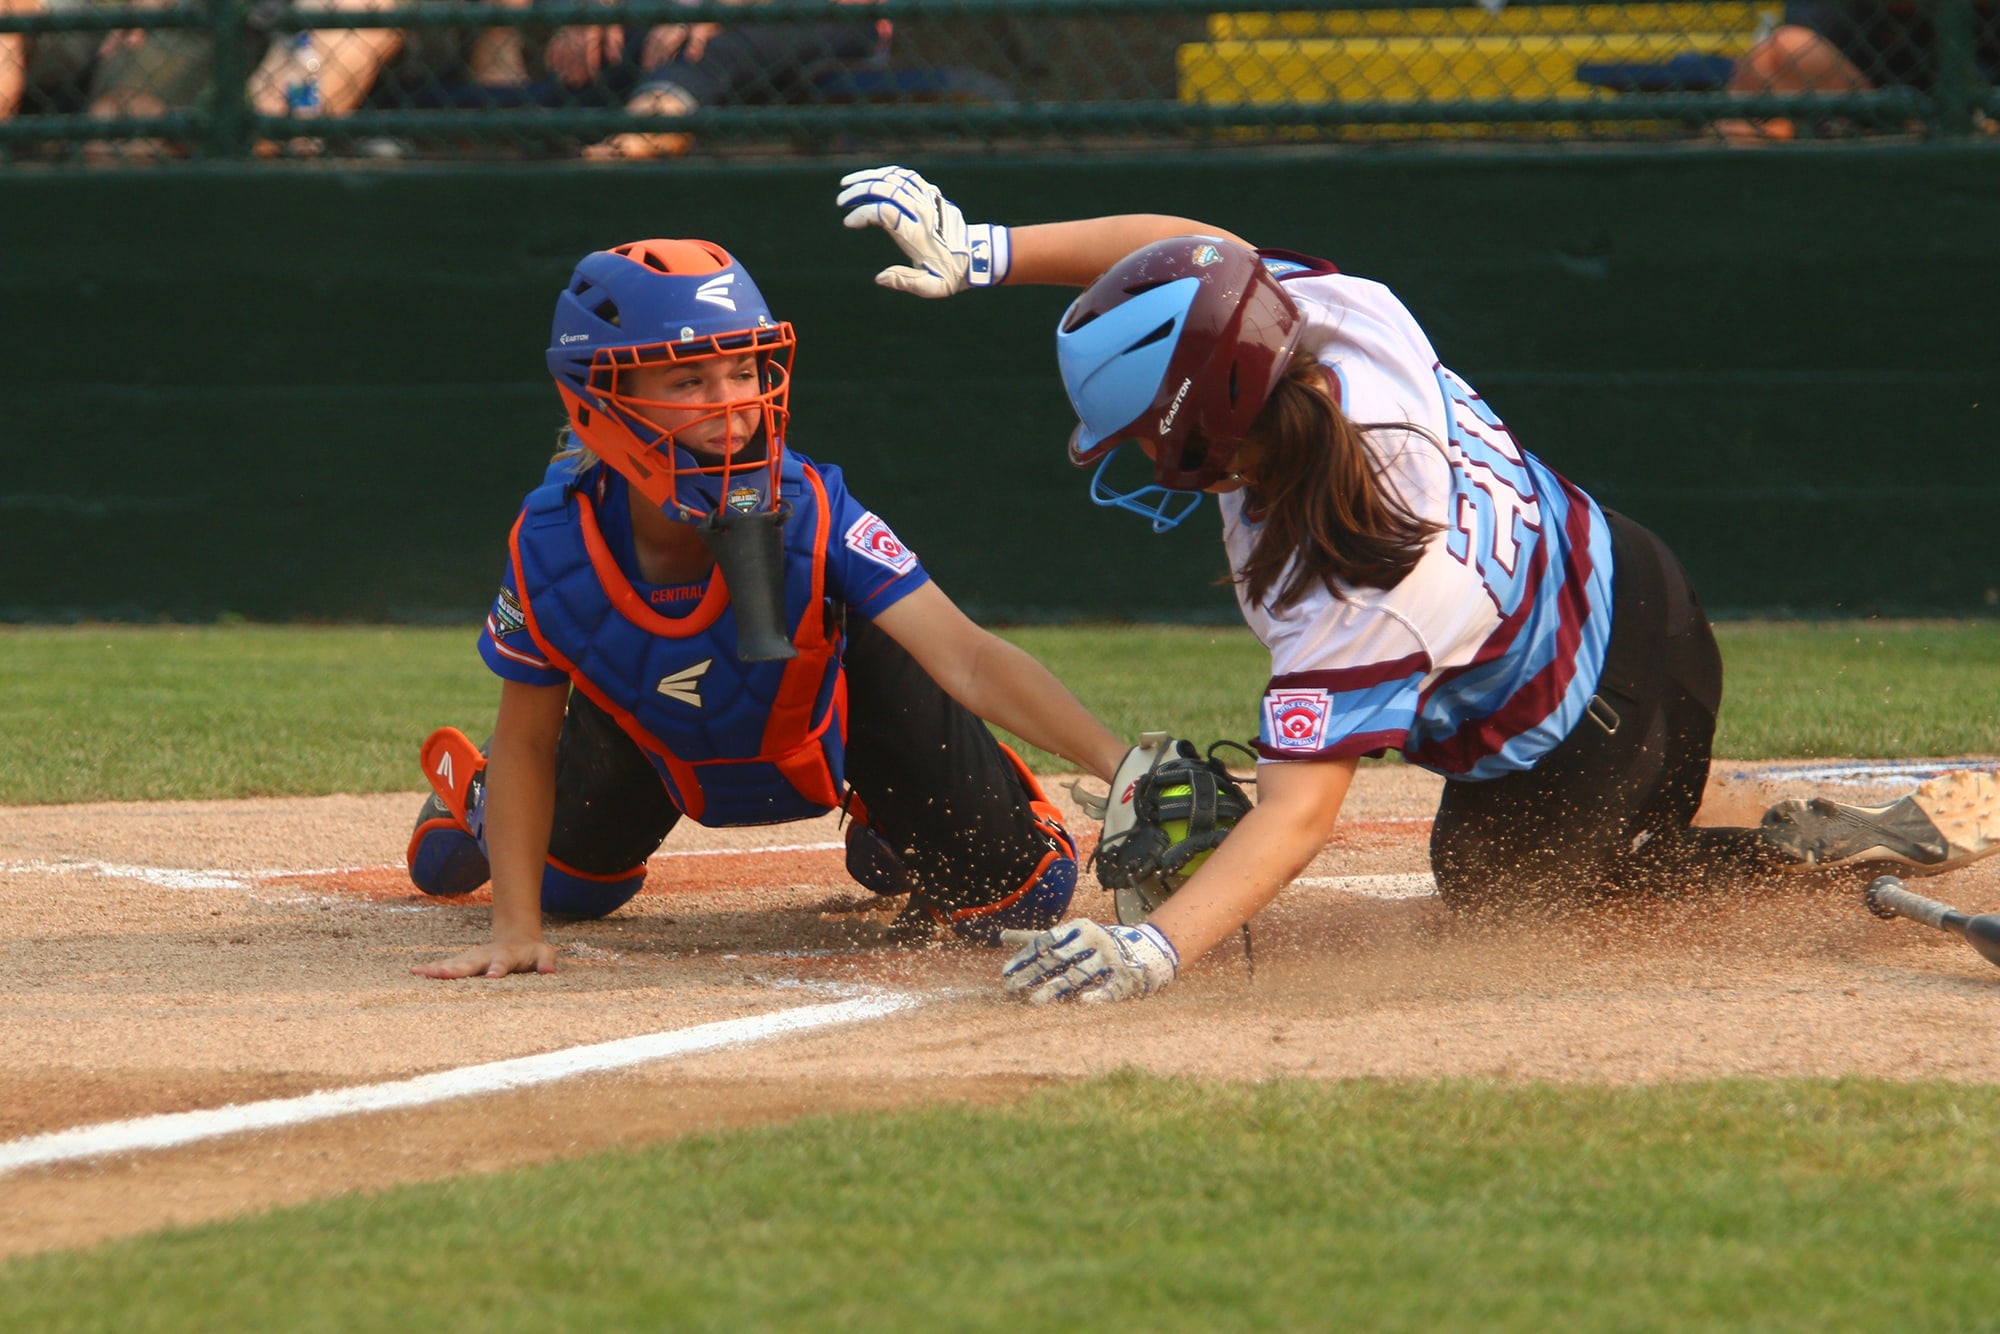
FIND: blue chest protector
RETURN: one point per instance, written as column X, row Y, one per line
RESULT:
column 737, row 743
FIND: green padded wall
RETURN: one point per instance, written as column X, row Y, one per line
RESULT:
column 319, row 393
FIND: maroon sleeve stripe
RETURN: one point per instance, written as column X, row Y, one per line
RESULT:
column 1353, row 678
column 1348, row 747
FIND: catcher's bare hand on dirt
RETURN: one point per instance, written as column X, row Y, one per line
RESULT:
column 494, row 959
column 1081, row 960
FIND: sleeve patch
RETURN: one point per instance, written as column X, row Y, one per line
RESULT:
column 870, row 537
column 1295, row 720
column 507, row 617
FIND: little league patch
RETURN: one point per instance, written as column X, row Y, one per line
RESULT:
column 872, row 538
column 1296, row 719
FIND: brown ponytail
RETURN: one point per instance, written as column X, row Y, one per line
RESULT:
column 1324, row 501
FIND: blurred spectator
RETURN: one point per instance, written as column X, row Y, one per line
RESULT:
column 130, row 72
column 321, row 72
column 347, row 63
column 675, row 68
column 1851, row 46
column 14, row 58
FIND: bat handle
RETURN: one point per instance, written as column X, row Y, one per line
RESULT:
column 1887, row 898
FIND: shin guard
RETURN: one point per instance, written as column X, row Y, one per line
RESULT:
column 443, row 858
column 569, row 892
column 445, row 854
column 1043, row 897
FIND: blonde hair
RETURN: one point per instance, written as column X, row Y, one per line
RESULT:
column 572, row 450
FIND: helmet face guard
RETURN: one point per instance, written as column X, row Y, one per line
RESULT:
column 1177, row 348
column 632, row 310
column 618, row 424
column 1162, row 507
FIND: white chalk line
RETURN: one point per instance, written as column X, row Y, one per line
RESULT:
column 168, row 877
column 174, row 1129
column 1392, row 886
column 1859, row 773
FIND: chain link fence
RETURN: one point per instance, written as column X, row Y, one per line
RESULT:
column 100, row 82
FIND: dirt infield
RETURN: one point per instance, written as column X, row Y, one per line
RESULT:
column 174, row 957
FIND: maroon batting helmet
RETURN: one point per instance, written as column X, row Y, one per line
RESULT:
column 1177, row 346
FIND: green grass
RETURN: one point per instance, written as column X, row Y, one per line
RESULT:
column 128, row 713
column 138, row 713
column 1134, row 1203
column 1863, row 688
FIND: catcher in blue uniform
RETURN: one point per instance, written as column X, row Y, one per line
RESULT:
column 698, row 622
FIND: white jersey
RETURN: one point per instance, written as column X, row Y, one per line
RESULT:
column 1486, row 654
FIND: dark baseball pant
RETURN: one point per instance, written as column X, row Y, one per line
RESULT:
column 936, row 786
column 1610, row 809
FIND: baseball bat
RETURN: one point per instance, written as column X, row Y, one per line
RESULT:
column 1887, row 898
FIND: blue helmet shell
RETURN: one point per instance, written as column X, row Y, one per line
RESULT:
column 619, row 299
column 666, row 301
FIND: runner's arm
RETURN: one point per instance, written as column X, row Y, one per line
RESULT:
column 1297, row 804
column 1073, row 254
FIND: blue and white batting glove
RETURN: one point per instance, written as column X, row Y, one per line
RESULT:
column 1081, row 960
column 946, row 255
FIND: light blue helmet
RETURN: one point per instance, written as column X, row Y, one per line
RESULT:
column 1177, row 347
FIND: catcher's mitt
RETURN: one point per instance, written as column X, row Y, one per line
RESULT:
column 1169, row 807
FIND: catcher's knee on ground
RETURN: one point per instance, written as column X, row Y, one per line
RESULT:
column 443, row 856
column 1028, row 903
column 1040, row 902
column 570, row 892
column 445, row 860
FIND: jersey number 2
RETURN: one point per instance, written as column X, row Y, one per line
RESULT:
column 1496, row 515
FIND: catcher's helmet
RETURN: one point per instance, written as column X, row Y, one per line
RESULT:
column 1177, row 347
column 653, row 303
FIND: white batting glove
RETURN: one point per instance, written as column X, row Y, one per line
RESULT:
column 1082, row 961
column 946, row 255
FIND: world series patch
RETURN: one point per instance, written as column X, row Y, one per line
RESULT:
column 1296, row 719
column 507, row 617
column 871, row 538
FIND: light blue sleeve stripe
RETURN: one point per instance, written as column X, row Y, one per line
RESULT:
column 1388, row 707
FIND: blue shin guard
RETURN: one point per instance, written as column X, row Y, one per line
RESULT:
column 1040, row 901
column 443, row 858
column 1037, row 905
column 1044, row 897
column 873, row 864
column 573, row 893
column 445, row 855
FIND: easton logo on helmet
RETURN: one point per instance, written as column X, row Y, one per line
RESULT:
column 716, row 291
column 1174, row 408
column 567, row 339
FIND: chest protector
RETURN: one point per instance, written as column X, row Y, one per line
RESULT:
column 737, row 743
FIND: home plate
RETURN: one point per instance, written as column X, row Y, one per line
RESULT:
column 1407, row 885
